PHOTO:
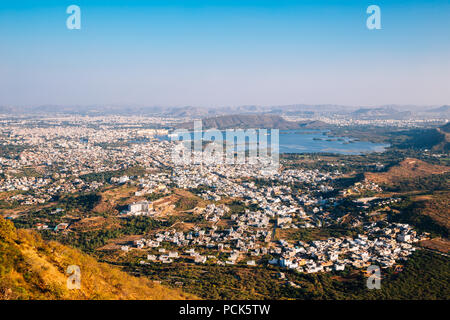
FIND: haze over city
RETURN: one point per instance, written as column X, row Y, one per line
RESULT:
column 203, row 53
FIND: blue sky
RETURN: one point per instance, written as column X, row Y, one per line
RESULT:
column 217, row 53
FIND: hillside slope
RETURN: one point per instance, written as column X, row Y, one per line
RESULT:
column 444, row 145
column 408, row 168
column 31, row 268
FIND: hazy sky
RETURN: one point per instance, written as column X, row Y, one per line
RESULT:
column 224, row 52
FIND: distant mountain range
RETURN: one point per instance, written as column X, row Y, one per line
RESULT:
column 443, row 109
column 381, row 113
column 191, row 112
column 246, row 121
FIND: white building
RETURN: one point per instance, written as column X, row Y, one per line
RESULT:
column 139, row 208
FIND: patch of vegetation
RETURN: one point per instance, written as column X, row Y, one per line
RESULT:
column 237, row 207
column 411, row 213
column 425, row 276
column 107, row 175
column 419, row 139
column 155, row 196
column 215, row 282
column 11, row 151
column 430, row 183
column 83, row 202
column 184, row 204
column 311, row 234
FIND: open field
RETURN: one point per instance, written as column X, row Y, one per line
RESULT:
column 438, row 244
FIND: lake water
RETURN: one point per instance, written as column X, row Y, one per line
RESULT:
column 308, row 141
column 314, row 141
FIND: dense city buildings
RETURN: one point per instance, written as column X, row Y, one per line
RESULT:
column 241, row 213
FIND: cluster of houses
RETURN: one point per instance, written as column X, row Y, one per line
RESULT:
column 250, row 237
column 67, row 150
column 65, row 154
column 214, row 213
column 383, row 246
column 361, row 187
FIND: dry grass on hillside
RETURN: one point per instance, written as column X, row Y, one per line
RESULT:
column 438, row 244
column 95, row 223
column 31, row 268
column 408, row 168
column 437, row 207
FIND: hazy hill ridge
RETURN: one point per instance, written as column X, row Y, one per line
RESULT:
column 255, row 121
column 398, row 112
